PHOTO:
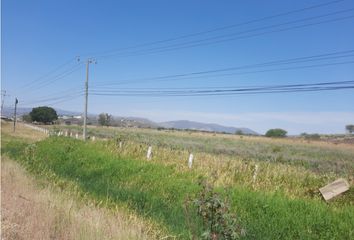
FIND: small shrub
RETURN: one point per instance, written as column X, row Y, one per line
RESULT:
column 218, row 222
column 239, row 132
column 314, row 136
column 27, row 118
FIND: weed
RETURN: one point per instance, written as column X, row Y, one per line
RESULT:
column 218, row 222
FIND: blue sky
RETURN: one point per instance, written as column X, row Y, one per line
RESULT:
column 39, row 36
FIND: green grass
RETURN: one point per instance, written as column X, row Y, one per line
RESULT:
column 317, row 158
column 294, row 181
column 157, row 191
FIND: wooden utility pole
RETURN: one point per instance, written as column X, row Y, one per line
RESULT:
column 2, row 101
column 86, row 97
column 15, row 112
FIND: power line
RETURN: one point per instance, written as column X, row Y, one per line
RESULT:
column 53, row 102
column 267, row 70
column 312, row 89
column 201, row 74
column 54, row 79
column 322, row 86
column 75, row 93
column 49, row 73
column 71, row 90
column 66, row 100
column 228, row 88
column 228, row 37
column 42, row 82
column 98, row 90
column 223, row 27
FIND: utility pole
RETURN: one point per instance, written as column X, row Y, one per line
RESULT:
column 16, row 101
column 89, row 61
column 3, row 94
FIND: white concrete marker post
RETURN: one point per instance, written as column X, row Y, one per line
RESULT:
column 66, row 133
column 76, row 135
column 149, row 153
column 120, row 144
column 190, row 160
column 93, row 138
column 255, row 173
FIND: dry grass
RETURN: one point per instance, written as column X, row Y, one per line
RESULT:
column 295, row 166
column 111, row 131
column 294, row 181
column 22, row 131
column 31, row 212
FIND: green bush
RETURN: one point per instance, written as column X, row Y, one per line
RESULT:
column 311, row 136
column 218, row 221
column 276, row 132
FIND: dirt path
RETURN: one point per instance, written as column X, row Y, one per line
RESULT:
column 30, row 211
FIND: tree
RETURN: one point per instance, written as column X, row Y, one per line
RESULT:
column 43, row 114
column 276, row 132
column 104, row 119
column 350, row 128
column 239, row 132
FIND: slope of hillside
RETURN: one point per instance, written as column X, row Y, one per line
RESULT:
column 210, row 127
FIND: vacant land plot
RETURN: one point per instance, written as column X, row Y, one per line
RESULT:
column 280, row 200
column 33, row 208
column 314, row 155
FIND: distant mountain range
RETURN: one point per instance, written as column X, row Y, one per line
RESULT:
column 209, row 127
column 144, row 122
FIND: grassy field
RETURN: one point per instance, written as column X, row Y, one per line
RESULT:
column 34, row 208
column 316, row 155
column 292, row 166
column 281, row 202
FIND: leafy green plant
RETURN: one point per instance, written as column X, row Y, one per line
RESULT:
column 218, row 221
column 311, row 136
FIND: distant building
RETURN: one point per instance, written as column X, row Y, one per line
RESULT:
column 70, row 120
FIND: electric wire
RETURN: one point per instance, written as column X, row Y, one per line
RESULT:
column 224, row 38
column 261, row 19
column 44, row 76
column 203, row 74
column 322, row 86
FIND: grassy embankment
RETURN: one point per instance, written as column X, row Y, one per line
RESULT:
column 292, row 166
column 34, row 208
column 279, row 207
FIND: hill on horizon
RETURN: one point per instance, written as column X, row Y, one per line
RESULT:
column 209, row 127
column 144, row 122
